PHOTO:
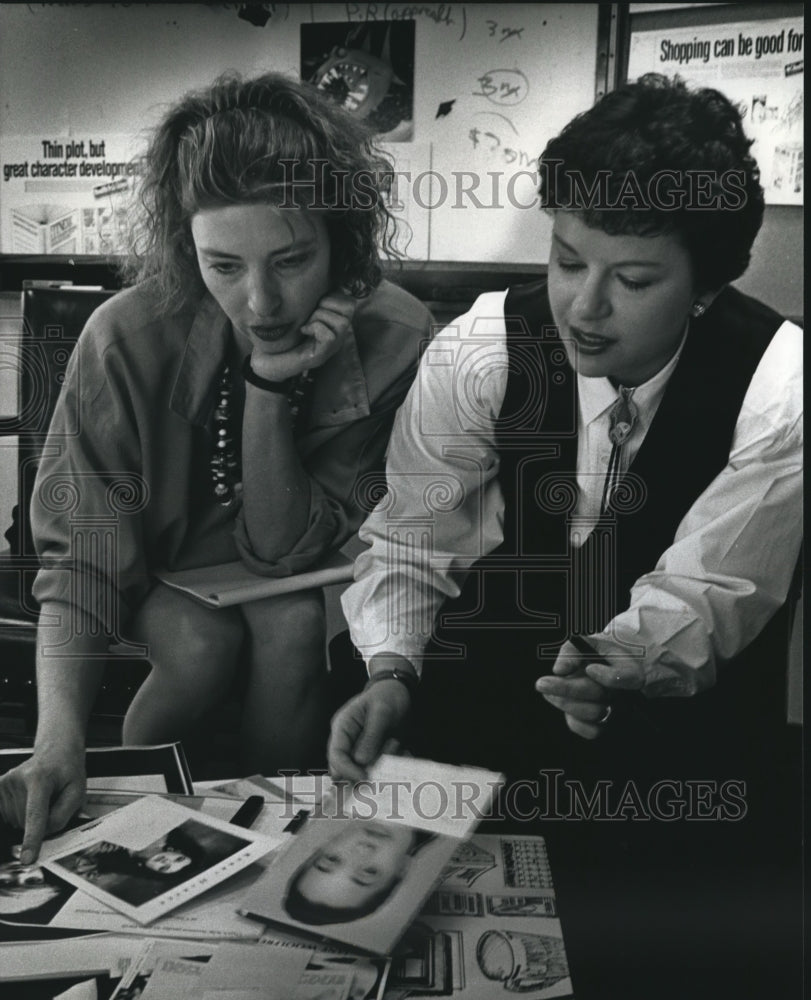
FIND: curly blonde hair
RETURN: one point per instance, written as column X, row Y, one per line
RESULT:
column 267, row 139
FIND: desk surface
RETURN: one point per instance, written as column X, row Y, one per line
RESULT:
column 652, row 909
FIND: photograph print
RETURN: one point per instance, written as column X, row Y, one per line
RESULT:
column 358, row 881
column 138, row 877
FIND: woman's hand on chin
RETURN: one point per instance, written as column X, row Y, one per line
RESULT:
column 323, row 334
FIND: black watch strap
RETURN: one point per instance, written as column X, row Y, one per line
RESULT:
column 405, row 677
column 283, row 388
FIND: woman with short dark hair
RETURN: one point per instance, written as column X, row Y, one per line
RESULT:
column 624, row 465
column 618, row 492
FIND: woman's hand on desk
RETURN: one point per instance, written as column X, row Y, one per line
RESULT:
column 42, row 794
column 366, row 726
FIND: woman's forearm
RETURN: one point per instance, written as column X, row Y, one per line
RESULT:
column 70, row 667
column 277, row 493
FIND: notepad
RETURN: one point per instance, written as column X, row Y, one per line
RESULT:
column 232, row 583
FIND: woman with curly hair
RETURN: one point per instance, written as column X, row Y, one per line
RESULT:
column 242, row 389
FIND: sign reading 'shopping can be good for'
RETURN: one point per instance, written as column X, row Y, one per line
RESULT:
column 66, row 195
column 759, row 66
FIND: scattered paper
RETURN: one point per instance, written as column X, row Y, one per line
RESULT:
column 152, row 856
column 100, row 955
column 81, row 991
column 149, row 957
column 490, row 926
column 358, row 871
column 159, row 768
column 272, row 968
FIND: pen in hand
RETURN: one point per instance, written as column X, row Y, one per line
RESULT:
column 628, row 700
column 586, row 648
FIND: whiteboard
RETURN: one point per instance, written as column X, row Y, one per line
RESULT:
column 509, row 75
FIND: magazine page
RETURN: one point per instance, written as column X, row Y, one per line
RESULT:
column 426, row 794
column 367, row 975
column 362, row 865
column 211, row 916
column 30, row 896
column 270, row 817
column 298, row 973
column 149, row 957
column 171, row 979
column 86, row 989
column 98, row 955
column 266, row 971
column 440, row 798
column 44, row 902
column 152, row 856
column 271, row 968
column 490, row 927
column 302, row 791
column 159, row 768
column 353, row 880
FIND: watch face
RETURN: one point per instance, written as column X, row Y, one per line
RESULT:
column 357, row 80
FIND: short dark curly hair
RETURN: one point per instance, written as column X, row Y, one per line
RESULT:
column 656, row 157
column 267, row 139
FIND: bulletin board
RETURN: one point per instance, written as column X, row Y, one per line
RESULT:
column 488, row 86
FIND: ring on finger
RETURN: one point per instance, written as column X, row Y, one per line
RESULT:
column 605, row 716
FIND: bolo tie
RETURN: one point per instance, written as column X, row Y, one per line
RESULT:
column 622, row 418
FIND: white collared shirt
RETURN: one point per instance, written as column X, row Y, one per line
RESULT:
column 595, row 398
column 711, row 592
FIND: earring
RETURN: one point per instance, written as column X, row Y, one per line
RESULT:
column 698, row 310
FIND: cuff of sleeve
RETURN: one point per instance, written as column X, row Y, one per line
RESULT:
column 411, row 651
column 670, row 647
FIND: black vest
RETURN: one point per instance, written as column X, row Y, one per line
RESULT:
column 686, row 447
column 521, row 602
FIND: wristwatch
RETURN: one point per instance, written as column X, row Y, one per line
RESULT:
column 405, row 677
column 283, row 388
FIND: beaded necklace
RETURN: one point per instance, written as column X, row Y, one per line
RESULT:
column 226, row 466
